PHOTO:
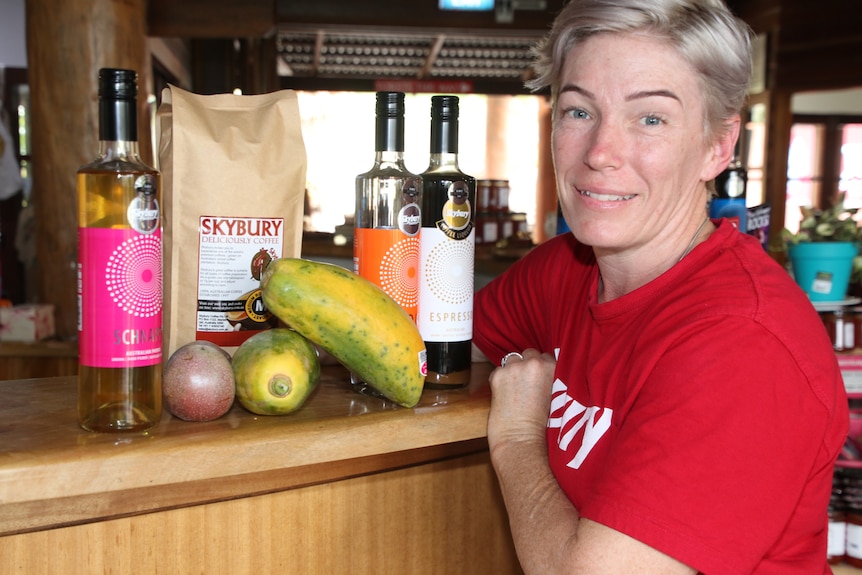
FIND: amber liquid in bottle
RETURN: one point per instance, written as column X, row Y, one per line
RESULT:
column 118, row 210
column 447, row 254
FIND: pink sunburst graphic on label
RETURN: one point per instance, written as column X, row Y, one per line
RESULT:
column 133, row 276
column 399, row 272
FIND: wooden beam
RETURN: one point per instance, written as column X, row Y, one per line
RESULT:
column 211, row 18
column 318, row 48
column 761, row 15
column 432, row 56
column 398, row 13
column 260, row 18
column 819, row 45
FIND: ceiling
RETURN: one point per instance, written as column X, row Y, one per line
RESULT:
column 407, row 54
column 380, row 41
column 357, row 44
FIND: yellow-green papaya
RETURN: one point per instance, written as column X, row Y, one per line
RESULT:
column 353, row 320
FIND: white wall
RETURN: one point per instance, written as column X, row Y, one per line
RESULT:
column 832, row 102
column 13, row 44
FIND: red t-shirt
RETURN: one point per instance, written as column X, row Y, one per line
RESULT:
column 700, row 414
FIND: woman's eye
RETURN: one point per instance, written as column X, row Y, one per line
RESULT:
column 578, row 113
column 652, row 120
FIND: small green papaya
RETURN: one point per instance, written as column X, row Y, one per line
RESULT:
column 275, row 371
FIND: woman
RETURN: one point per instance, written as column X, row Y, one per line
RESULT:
column 675, row 405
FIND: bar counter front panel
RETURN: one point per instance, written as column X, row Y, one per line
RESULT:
column 348, row 484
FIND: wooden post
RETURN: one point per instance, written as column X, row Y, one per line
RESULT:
column 495, row 150
column 546, row 184
column 68, row 41
column 779, row 124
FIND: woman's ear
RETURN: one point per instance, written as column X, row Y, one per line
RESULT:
column 720, row 152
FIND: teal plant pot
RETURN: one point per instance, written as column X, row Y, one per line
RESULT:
column 823, row 269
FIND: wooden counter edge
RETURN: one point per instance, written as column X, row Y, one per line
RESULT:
column 36, row 515
column 258, row 448
column 46, row 485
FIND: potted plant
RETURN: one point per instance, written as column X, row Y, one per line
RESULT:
column 822, row 252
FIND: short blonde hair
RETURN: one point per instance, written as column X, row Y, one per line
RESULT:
column 705, row 33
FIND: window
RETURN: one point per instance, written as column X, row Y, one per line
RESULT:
column 825, row 158
column 754, row 140
column 15, row 101
column 803, row 171
column 338, row 130
column 850, row 174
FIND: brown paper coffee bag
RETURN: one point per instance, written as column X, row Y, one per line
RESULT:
column 233, row 173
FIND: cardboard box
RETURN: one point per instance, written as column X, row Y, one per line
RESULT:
column 25, row 323
column 851, row 371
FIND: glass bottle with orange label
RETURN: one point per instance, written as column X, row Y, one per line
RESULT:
column 387, row 216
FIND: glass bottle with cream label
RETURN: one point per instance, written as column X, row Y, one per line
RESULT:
column 387, row 214
column 447, row 253
column 119, row 271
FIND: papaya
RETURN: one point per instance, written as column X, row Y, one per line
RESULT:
column 353, row 320
column 275, row 371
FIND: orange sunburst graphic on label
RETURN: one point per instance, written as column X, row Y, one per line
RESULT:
column 399, row 272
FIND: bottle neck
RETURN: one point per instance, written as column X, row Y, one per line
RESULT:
column 118, row 129
column 444, row 143
column 389, row 135
column 118, row 120
column 118, row 149
column 389, row 157
column 444, row 137
column 443, row 159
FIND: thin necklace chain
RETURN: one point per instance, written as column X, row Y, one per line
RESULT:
column 694, row 239
column 685, row 253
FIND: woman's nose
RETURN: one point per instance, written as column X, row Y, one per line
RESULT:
column 603, row 146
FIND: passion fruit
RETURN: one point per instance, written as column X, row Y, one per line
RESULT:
column 198, row 382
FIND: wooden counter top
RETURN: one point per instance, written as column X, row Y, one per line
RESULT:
column 52, row 473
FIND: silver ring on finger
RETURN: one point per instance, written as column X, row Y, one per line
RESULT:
column 509, row 356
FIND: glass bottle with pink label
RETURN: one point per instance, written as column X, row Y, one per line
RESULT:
column 119, row 271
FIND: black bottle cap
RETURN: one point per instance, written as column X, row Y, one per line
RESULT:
column 390, row 104
column 118, row 84
column 444, row 124
column 389, row 135
column 118, row 91
column 444, row 107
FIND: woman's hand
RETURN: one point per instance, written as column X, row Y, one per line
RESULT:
column 520, row 399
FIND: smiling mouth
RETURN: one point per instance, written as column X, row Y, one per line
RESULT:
column 605, row 197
